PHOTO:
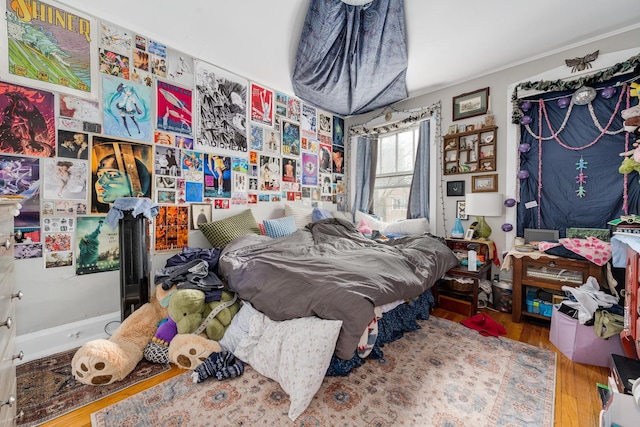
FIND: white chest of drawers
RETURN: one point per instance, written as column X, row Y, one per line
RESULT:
column 8, row 300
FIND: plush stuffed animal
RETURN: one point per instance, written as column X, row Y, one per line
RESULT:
column 187, row 307
column 104, row 361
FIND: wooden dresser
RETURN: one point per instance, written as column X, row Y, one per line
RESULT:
column 8, row 301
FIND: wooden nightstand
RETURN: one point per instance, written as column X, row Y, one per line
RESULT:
column 460, row 297
column 549, row 273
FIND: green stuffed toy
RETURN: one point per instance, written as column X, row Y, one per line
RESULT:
column 187, row 307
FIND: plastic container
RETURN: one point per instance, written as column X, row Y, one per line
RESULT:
column 502, row 298
column 546, row 308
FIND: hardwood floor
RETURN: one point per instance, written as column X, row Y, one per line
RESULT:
column 576, row 399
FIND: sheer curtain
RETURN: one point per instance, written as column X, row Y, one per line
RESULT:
column 352, row 59
column 419, row 193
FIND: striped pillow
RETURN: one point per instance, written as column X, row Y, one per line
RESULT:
column 279, row 227
column 302, row 215
column 220, row 233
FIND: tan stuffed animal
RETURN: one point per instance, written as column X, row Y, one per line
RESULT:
column 104, row 361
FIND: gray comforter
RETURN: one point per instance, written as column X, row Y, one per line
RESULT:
column 332, row 271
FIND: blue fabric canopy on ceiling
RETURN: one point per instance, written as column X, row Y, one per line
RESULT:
column 352, row 59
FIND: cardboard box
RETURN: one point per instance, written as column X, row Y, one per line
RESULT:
column 580, row 343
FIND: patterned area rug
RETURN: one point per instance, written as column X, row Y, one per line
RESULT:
column 47, row 389
column 440, row 375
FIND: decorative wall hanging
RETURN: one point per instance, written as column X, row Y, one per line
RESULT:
column 470, row 104
column 581, row 179
column 562, row 85
column 581, row 64
column 455, row 188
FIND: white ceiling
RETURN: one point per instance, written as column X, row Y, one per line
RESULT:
column 448, row 41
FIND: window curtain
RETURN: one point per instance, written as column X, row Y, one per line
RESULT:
column 569, row 160
column 352, row 59
column 365, row 173
column 419, row 192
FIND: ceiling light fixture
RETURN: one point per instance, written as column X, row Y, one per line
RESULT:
column 356, row 2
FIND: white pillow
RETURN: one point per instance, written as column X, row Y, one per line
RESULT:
column 343, row 215
column 238, row 328
column 415, row 226
column 296, row 353
column 374, row 223
column 302, row 215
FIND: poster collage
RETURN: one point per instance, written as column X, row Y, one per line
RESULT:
column 91, row 112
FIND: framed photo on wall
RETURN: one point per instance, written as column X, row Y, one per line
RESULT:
column 471, row 104
column 200, row 214
column 484, row 183
column 461, row 211
column 455, row 188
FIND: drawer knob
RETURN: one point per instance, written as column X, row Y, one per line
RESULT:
column 8, row 323
column 18, row 356
column 19, row 416
column 552, row 264
column 18, row 295
column 10, row 401
column 7, row 243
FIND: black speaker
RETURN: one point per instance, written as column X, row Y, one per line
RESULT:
column 134, row 263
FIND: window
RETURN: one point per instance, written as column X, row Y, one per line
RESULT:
column 394, row 173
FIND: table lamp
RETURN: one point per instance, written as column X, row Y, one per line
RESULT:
column 481, row 205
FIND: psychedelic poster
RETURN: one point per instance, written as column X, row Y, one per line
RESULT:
column 174, row 107
column 261, row 105
column 172, row 228
column 84, row 112
column 309, row 121
column 309, row 169
column 20, row 176
column 97, row 246
column 33, row 110
column 57, row 53
column 222, row 110
column 290, row 138
column 338, row 130
column 127, row 108
column 217, row 176
column 119, row 169
column 65, row 179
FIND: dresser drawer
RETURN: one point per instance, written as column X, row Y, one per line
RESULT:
column 6, row 278
column 8, row 413
column 7, row 335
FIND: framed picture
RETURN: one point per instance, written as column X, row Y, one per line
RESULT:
column 453, row 129
column 462, row 128
column 461, row 211
column 200, row 214
column 469, row 128
column 484, row 183
column 468, row 235
column 455, row 188
column 470, row 104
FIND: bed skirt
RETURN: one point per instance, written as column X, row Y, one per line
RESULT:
column 391, row 327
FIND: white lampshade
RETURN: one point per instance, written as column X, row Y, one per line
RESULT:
column 484, row 204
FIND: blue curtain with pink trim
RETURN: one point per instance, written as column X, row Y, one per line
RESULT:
column 569, row 160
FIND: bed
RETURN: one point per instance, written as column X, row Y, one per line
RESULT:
column 311, row 294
